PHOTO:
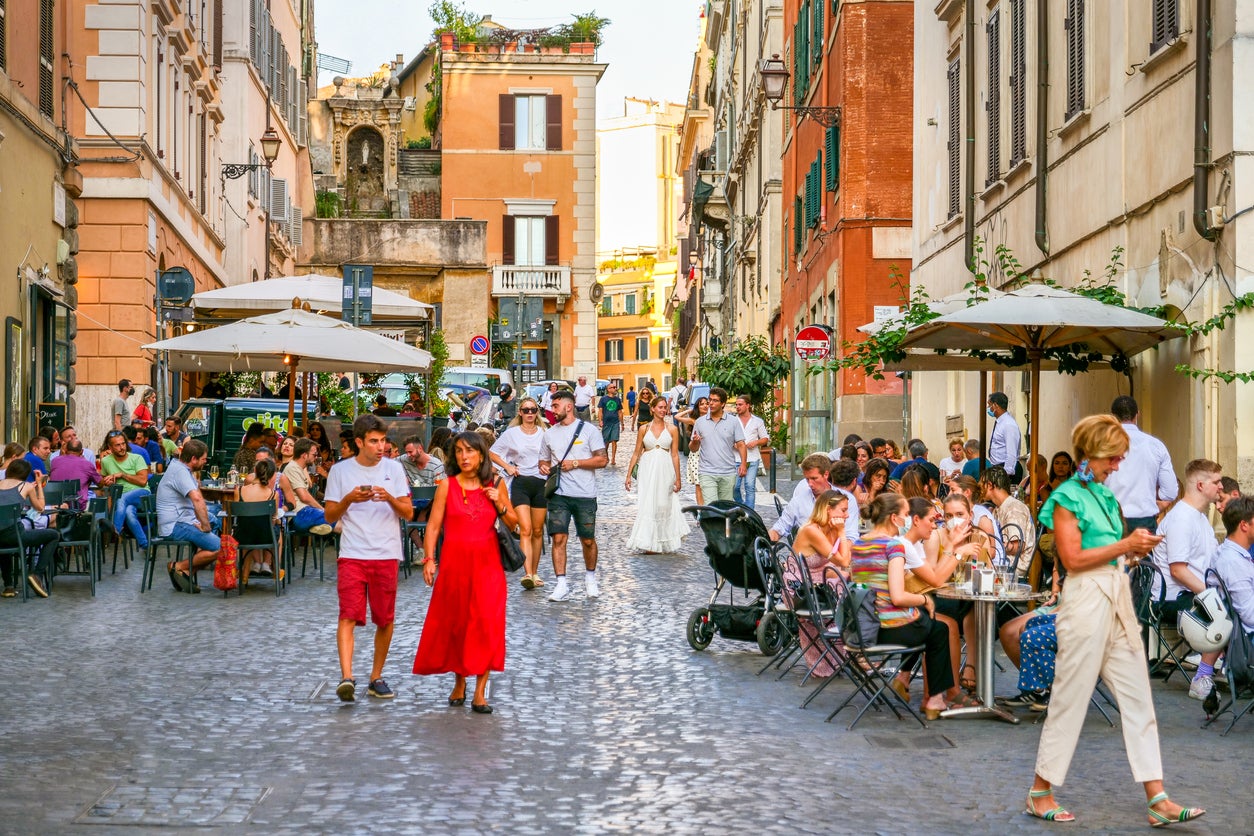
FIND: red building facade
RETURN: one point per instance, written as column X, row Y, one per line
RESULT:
column 847, row 203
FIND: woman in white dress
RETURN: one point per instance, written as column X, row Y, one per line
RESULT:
column 517, row 452
column 660, row 525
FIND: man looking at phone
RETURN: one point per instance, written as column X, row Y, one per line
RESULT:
column 366, row 495
column 1186, row 552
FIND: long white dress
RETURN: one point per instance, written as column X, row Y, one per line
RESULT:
column 660, row 526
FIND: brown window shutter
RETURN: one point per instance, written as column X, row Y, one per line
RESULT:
column 507, row 122
column 553, row 116
column 217, row 32
column 507, row 239
column 551, row 242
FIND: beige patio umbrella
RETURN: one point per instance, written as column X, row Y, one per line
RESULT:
column 288, row 340
column 1036, row 319
column 322, row 293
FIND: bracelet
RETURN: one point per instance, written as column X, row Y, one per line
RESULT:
column 428, row 560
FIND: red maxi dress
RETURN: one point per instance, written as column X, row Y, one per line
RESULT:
column 464, row 632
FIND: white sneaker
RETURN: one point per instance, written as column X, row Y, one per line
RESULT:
column 1201, row 687
column 590, row 587
column 561, row 592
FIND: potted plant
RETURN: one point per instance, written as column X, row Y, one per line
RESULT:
column 436, row 403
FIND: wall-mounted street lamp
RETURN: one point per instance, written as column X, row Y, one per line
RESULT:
column 775, row 82
column 270, row 145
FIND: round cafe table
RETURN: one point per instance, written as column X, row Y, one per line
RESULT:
column 982, row 645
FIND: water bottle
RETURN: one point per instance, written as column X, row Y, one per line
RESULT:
column 232, row 477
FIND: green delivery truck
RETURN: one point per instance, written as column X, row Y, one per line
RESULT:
column 221, row 423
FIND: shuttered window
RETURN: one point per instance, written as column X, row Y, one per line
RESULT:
column 994, row 96
column 530, row 123
column 4, row 60
column 202, row 165
column 217, row 33
column 1018, row 84
column 831, row 149
column 613, row 351
column 798, row 226
column 47, row 51
column 1074, row 25
column 1166, row 24
column 955, row 139
column 553, row 123
column 801, row 54
column 552, row 243
column 816, row 51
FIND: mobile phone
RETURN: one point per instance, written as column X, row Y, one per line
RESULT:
column 366, row 488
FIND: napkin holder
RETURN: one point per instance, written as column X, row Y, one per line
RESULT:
column 982, row 581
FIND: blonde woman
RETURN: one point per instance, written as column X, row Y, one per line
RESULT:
column 1098, row 634
column 821, row 542
column 517, row 452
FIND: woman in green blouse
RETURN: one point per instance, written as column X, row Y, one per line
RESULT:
column 1098, row 634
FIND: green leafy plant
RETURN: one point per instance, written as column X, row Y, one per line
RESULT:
column 754, row 368
column 437, row 404
column 587, row 28
column 327, row 204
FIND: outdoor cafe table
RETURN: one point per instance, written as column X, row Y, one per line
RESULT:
column 224, row 496
column 985, row 635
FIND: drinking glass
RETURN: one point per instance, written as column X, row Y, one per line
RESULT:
column 213, row 472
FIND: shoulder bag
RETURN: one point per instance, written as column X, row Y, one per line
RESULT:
column 552, row 483
column 511, row 551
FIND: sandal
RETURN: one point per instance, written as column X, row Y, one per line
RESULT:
column 966, row 701
column 1058, row 814
column 967, row 685
column 1157, row 819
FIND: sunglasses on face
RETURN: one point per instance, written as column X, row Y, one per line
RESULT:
column 528, row 410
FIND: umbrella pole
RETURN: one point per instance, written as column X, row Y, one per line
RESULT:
column 1034, row 569
column 983, row 421
column 291, row 394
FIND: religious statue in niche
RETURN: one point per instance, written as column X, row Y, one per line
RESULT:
column 365, row 189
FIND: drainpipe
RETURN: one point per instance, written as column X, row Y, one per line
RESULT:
column 1201, row 123
column 1042, row 122
column 969, row 221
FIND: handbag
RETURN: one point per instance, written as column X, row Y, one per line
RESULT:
column 553, row 482
column 510, row 549
column 226, row 567
column 860, row 623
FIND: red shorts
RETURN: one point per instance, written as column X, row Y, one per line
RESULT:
column 360, row 580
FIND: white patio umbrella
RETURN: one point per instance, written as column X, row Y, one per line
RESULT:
column 1038, row 318
column 323, row 293
column 288, row 340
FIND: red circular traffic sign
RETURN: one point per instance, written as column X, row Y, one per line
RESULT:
column 813, row 343
column 479, row 345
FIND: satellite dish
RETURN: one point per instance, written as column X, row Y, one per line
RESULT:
column 596, row 292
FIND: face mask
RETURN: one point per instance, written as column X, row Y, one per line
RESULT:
column 990, row 412
column 904, row 529
column 1084, row 474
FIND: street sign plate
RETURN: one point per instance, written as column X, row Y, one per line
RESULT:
column 813, row 343
column 479, row 361
column 479, row 344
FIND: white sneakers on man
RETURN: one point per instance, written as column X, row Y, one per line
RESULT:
column 590, row 586
column 561, row 592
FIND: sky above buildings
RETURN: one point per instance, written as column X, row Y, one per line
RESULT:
column 648, row 45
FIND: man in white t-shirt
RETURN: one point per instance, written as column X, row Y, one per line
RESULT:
column 746, row 489
column 957, row 458
column 577, row 448
column 366, row 495
column 585, row 394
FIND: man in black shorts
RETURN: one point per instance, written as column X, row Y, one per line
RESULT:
column 611, row 420
column 578, row 450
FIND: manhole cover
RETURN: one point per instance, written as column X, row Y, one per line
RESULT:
column 136, row 805
column 913, row 742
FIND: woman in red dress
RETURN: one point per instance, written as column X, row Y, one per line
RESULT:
column 464, row 632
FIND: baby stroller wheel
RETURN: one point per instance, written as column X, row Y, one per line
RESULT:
column 700, row 629
column 770, row 634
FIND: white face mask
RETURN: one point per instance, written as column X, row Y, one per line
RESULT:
column 904, row 528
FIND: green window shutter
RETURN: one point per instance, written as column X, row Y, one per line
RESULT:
column 796, row 61
column 831, row 145
column 797, row 224
column 817, row 52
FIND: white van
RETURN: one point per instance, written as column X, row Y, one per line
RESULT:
column 490, row 379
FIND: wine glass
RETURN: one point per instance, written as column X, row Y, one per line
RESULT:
column 213, row 472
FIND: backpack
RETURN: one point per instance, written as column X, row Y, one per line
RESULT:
column 1240, row 658
column 226, row 568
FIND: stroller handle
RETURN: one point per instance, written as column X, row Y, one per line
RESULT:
column 728, row 514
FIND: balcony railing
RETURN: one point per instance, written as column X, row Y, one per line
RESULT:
column 510, row 280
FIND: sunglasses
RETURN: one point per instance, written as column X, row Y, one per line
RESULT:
column 114, row 434
column 528, row 410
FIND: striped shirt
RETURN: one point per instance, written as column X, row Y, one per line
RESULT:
column 869, row 567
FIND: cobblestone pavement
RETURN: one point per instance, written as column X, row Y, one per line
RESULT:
column 163, row 710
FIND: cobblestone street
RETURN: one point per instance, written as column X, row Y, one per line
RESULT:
column 163, row 710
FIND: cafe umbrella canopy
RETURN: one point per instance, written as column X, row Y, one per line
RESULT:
column 322, row 293
column 1039, row 323
column 288, row 340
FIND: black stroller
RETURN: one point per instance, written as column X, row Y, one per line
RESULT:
column 730, row 531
